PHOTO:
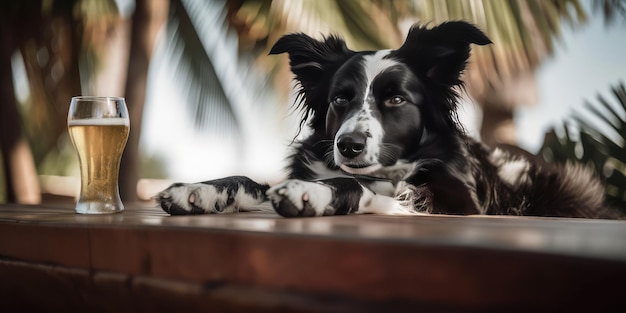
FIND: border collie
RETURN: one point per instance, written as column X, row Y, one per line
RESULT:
column 386, row 140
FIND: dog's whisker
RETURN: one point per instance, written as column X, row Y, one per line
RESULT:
column 324, row 142
column 329, row 159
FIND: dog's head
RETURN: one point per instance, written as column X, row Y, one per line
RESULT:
column 377, row 105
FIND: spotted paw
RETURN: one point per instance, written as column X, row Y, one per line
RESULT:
column 301, row 198
column 225, row 195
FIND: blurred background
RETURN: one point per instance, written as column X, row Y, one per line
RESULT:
column 206, row 100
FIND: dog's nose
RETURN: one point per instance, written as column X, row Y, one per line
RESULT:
column 350, row 145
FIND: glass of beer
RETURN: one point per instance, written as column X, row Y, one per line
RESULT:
column 99, row 127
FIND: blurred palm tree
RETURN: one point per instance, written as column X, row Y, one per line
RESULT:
column 44, row 34
column 596, row 137
column 502, row 76
column 147, row 20
column 63, row 45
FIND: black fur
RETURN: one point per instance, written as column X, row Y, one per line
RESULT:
column 347, row 194
column 226, row 188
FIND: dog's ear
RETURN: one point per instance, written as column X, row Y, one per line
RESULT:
column 440, row 54
column 309, row 58
column 313, row 62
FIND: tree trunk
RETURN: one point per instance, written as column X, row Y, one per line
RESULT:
column 148, row 18
column 499, row 101
column 21, row 179
column 497, row 126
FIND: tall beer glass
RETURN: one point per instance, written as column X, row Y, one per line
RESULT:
column 99, row 127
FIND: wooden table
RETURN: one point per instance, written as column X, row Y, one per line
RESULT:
column 142, row 260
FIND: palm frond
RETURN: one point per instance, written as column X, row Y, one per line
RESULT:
column 600, row 144
column 363, row 24
column 611, row 9
column 523, row 33
column 202, row 88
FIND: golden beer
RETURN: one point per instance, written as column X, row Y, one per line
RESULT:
column 99, row 127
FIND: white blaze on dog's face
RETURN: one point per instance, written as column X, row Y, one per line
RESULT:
column 373, row 115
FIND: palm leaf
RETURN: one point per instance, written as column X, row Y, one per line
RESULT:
column 601, row 144
column 558, row 147
column 615, row 192
column 523, row 33
column 611, row 9
column 363, row 24
column 194, row 71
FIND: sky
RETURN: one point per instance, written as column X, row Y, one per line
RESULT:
column 588, row 60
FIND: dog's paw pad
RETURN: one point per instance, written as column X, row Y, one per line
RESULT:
column 286, row 208
column 172, row 201
column 185, row 199
column 299, row 198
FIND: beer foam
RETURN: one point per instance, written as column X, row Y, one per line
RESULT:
column 113, row 121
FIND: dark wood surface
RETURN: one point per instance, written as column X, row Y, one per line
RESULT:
column 144, row 260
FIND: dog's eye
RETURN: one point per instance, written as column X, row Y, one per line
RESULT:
column 340, row 100
column 395, row 101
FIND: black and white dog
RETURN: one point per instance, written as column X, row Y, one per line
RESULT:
column 386, row 140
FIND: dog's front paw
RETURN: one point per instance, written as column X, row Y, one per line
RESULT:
column 226, row 195
column 185, row 199
column 301, row 198
column 418, row 198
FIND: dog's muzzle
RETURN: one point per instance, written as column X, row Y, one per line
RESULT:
column 351, row 145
